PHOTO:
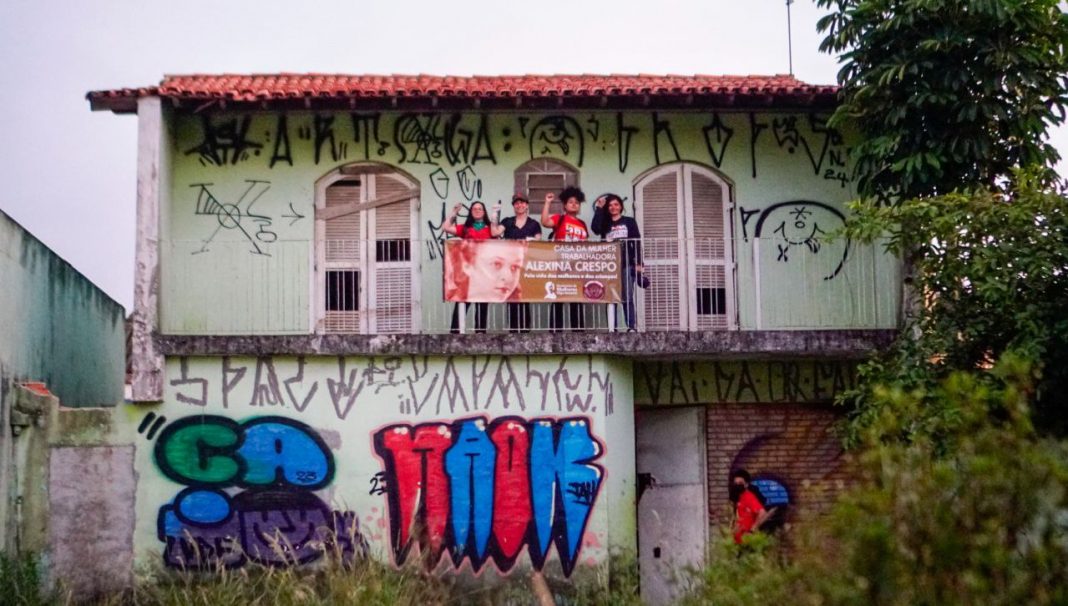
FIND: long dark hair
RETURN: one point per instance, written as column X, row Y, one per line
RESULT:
column 470, row 221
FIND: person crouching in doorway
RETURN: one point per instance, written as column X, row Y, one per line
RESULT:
column 750, row 513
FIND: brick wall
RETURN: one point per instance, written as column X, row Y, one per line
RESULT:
column 791, row 443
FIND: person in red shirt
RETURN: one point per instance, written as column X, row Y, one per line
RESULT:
column 750, row 513
column 478, row 226
column 566, row 227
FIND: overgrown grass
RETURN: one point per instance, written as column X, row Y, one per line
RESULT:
column 337, row 580
column 332, row 582
column 20, row 582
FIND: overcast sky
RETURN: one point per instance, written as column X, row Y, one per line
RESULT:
column 69, row 174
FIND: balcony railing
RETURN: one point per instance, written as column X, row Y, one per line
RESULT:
column 395, row 287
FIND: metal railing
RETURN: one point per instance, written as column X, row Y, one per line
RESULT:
column 395, row 286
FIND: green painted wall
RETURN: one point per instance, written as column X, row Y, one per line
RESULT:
column 697, row 382
column 55, row 325
column 249, row 270
column 249, row 438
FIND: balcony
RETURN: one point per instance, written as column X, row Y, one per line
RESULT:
column 741, row 298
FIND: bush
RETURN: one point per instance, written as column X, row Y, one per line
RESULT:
column 979, row 516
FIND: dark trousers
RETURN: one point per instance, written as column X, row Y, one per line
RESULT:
column 556, row 316
column 481, row 313
column 519, row 317
column 629, row 314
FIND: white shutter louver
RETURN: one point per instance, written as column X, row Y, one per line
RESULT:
column 660, row 240
column 393, row 265
column 710, row 259
column 343, row 233
column 341, row 251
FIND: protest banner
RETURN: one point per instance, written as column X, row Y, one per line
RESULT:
column 497, row 271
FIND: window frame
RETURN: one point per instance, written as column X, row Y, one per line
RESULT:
column 368, row 173
column 688, row 261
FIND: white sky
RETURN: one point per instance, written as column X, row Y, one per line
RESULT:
column 69, row 174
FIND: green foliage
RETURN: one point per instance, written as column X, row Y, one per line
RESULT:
column 985, row 522
column 759, row 573
column 614, row 583
column 20, row 581
column 947, row 94
column 992, row 271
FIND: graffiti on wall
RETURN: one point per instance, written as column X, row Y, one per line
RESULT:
column 249, row 494
column 822, row 145
column 453, row 146
column 481, row 489
column 455, row 140
column 707, row 382
column 225, row 141
column 799, row 227
column 414, row 385
column 239, row 217
column 469, row 185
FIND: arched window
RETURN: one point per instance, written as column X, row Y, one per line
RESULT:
column 366, row 251
column 541, row 176
column 683, row 211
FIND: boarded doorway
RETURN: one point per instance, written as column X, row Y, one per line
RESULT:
column 673, row 507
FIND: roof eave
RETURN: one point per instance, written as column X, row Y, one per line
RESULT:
column 734, row 101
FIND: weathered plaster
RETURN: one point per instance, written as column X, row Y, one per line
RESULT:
column 91, row 498
column 57, row 327
column 146, row 362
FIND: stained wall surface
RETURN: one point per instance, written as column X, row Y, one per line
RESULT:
column 57, row 327
column 471, row 463
column 238, row 237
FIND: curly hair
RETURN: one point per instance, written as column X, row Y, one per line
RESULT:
column 572, row 192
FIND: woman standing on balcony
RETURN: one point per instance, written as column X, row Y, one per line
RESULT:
column 478, row 226
column 611, row 225
column 520, row 227
column 566, row 227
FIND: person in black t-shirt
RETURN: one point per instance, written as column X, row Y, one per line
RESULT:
column 520, row 227
column 610, row 223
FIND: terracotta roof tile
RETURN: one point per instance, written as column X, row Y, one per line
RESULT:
column 266, row 87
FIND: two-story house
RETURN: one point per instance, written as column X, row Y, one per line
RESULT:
column 293, row 364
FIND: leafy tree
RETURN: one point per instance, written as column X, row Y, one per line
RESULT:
column 953, row 100
column 992, row 270
column 947, row 94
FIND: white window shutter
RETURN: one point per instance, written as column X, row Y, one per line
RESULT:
column 342, row 254
column 659, row 210
column 710, row 290
column 393, row 265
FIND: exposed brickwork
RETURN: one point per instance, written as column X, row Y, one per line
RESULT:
column 793, row 443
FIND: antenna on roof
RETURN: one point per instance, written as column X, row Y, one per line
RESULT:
column 789, row 36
